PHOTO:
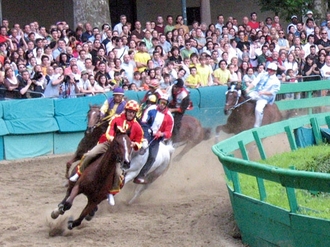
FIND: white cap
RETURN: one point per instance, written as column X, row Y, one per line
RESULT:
column 309, row 12
column 294, row 16
column 272, row 66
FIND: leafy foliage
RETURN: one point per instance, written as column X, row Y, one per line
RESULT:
column 286, row 8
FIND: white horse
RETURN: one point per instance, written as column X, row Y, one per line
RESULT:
column 160, row 165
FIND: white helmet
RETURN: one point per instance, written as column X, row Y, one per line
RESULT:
column 272, row 66
column 163, row 96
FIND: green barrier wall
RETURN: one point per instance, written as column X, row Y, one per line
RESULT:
column 34, row 127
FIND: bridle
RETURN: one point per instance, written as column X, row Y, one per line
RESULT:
column 237, row 104
column 99, row 122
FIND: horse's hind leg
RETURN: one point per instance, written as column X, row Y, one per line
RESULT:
column 87, row 210
column 185, row 150
column 138, row 191
column 91, row 214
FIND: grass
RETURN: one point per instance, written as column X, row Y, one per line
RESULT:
column 314, row 158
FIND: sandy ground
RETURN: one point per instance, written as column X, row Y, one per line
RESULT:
column 187, row 206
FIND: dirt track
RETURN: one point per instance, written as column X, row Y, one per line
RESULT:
column 188, row 206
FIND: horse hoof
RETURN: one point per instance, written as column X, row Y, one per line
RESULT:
column 89, row 217
column 55, row 214
column 70, row 223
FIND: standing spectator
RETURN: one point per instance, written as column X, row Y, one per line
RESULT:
column 253, row 23
column 84, row 84
column 160, row 25
column 128, row 66
column 205, row 72
column 88, row 32
column 179, row 24
column 119, row 27
column 138, row 32
column 141, row 57
column 169, row 26
column 56, row 77
column 324, row 42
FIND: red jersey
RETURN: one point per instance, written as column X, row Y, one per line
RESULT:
column 135, row 129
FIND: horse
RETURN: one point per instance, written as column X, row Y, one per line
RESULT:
column 191, row 133
column 242, row 116
column 96, row 180
column 160, row 165
column 95, row 128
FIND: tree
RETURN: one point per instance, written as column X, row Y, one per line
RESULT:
column 287, row 8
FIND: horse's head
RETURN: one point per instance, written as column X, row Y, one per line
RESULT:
column 93, row 118
column 124, row 155
column 232, row 98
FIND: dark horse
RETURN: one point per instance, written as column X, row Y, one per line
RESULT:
column 97, row 179
column 95, row 128
column 191, row 133
column 242, row 113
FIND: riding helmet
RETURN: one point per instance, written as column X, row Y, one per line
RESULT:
column 118, row 91
column 132, row 105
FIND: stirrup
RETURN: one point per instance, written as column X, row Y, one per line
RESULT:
column 74, row 178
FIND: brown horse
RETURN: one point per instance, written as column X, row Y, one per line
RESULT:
column 97, row 179
column 95, row 128
column 242, row 113
column 191, row 133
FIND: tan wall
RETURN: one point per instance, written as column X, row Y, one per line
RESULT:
column 149, row 9
column 24, row 12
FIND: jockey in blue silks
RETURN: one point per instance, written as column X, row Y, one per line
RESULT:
column 157, row 124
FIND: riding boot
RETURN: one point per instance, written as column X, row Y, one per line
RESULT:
column 141, row 178
column 259, row 116
column 75, row 177
column 111, row 199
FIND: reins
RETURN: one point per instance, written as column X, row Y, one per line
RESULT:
column 236, row 105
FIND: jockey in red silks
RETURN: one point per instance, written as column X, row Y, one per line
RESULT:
column 178, row 105
column 125, row 121
column 157, row 124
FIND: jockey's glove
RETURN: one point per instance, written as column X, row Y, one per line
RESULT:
column 158, row 134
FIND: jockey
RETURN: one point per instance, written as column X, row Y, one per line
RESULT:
column 157, row 123
column 113, row 105
column 126, row 121
column 153, row 90
column 266, row 86
column 178, row 105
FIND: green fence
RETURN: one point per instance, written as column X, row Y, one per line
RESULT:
column 260, row 222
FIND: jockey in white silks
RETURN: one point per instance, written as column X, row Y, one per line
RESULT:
column 266, row 86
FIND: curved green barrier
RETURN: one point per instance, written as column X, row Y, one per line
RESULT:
column 260, row 222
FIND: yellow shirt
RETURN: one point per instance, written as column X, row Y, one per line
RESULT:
column 204, row 74
column 222, row 75
column 142, row 57
column 193, row 80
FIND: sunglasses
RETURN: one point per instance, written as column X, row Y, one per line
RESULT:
column 324, row 33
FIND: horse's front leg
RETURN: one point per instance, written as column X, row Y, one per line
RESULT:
column 87, row 210
column 60, row 208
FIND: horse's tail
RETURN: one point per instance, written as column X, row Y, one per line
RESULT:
column 207, row 133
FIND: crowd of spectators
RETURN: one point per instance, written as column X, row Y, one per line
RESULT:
column 66, row 62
